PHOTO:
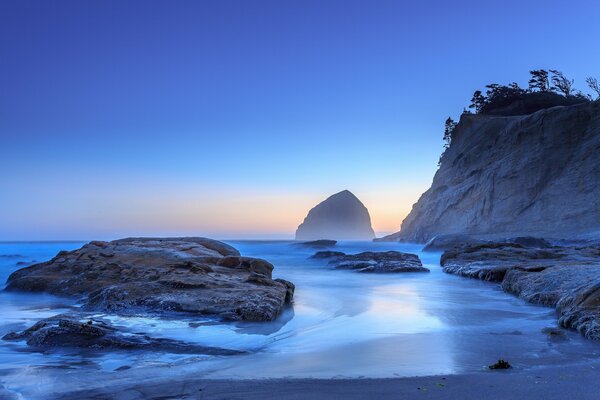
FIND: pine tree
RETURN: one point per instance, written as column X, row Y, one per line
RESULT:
column 539, row 80
column 449, row 127
column 594, row 85
column 561, row 84
column 478, row 101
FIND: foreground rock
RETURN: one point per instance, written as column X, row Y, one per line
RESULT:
column 567, row 278
column 378, row 262
column 341, row 216
column 75, row 331
column 517, row 175
column 187, row 275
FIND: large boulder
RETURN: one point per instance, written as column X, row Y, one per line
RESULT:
column 161, row 275
column 567, row 278
column 375, row 262
column 341, row 217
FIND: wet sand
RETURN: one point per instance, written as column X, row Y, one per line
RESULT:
column 551, row 382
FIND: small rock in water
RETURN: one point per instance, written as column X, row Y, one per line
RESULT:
column 555, row 333
column 500, row 364
column 318, row 243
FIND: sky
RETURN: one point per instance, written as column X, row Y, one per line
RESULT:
column 232, row 119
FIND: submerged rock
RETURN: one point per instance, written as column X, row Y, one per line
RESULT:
column 567, row 278
column 378, row 262
column 188, row 275
column 500, row 364
column 341, row 216
column 318, row 243
column 75, row 331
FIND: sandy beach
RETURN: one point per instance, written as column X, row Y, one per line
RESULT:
column 549, row 382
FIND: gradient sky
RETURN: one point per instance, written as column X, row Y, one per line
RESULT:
column 233, row 118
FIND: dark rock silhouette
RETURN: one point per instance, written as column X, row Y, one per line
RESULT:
column 341, row 217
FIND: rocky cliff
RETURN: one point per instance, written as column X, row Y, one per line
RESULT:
column 341, row 216
column 533, row 174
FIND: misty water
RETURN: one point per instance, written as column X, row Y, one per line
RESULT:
column 342, row 324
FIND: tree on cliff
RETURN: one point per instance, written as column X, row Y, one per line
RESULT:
column 594, row 85
column 449, row 127
column 561, row 84
column 478, row 101
column 539, row 80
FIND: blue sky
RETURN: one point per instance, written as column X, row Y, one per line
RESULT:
column 233, row 118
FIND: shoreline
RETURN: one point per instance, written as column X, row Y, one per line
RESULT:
column 578, row 381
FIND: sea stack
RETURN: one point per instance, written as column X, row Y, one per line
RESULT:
column 341, row 217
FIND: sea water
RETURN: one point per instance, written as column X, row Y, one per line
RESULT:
column 341, row 324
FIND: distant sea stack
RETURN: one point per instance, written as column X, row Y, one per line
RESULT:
column 535, row 174
column 340, row 217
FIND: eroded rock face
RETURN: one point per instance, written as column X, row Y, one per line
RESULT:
column 375, row 262
column 567, row 278
column 526, row 175
column 77, row 331
column 188, row 275
column 341, row 217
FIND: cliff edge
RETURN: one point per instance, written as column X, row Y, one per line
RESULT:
column 533, row 174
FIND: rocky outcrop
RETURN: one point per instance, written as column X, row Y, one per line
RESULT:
column 341, row 217
column 525, row 175
column 78, row 331
column 375, row 262
column 567, row 278
column 161, row 275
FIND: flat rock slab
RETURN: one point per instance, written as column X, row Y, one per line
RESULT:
column 374, row 262
column 160, row 275
column 79, row 331
column 567, row 278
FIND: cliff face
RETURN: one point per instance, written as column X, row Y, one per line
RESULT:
column 536, row 174
column 341, row 216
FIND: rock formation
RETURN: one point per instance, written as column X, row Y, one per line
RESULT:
column 567, row 278
column 523, row 175
column 377, row 262
column 188, row 275
column 341, row 217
